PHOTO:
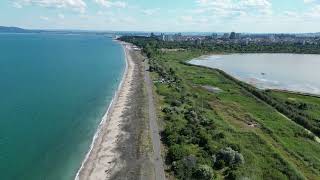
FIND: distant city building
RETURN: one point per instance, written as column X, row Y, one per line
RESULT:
column 232, row 35
column 214, row 36
column 162, row 37
column 198, row 41
column 237, row 38
column 238, row 35
column 226, row 36
column 152, row 35
column 168, row 38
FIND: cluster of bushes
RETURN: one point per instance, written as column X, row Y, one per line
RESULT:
column 167, row 76
column 227, row 157
column 299, row 105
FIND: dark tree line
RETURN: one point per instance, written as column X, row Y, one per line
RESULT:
column 211, row 47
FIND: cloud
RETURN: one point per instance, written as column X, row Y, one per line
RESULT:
column 128, row 20
column 61, row 16
column 44, row 18
column 16, row 5
column 309, row 1
column 189, row 20
column 76, row 5
column 232, row 8
column 314, row 13
column 150, row 12
column 109, row 3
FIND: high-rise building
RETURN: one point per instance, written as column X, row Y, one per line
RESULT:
column 232, row 35
column 162, row 37
column 238, row 35
column 214, row 36
column 226, row 36
column 168, row 38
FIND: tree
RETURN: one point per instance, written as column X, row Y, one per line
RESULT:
column 204, row 172
column 229, row 156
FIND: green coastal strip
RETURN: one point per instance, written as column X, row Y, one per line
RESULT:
column 216, row 127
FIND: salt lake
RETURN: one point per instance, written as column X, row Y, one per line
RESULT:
column 293, row 72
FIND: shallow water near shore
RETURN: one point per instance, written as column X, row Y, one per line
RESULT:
column 54, row 91
column 293, row 72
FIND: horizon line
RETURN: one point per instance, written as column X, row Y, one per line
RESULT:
column 148, row 31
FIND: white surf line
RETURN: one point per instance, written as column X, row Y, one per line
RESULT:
column 105, row 117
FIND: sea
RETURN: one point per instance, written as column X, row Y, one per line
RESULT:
column 292, row 72
column 54, row 90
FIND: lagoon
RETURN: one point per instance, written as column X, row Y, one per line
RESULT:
column 293, row 72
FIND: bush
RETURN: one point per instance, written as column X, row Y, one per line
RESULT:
column 191, row 115
column 229, row 157
column 178, row 152
column 204, row 172
column 185, row 167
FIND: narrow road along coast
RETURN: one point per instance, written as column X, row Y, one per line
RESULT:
column 155, row 134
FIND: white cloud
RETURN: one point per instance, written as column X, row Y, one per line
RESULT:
column 61, row 16
column 128, row 20
column 108, row 3
column 16, row 5
column 76, row 5
column 44, row 18
column 232, row 7
column 313, row 13
column 309, row 1
column 150, row 12
column 187, row 19
column 119, row 4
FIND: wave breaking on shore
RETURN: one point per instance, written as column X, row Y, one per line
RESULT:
column 106, row 116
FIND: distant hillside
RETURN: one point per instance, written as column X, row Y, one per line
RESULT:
column 4, row 29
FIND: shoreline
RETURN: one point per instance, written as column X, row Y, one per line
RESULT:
column 252, row 84
column 296, row 92
column 316, row 138
column 111, row 109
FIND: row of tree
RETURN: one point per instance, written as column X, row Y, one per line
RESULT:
column 294, row 114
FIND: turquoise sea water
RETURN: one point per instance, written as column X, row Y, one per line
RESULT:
column 54, row 90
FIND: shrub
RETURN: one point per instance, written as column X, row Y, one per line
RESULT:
column 229, row 157
column 178, row 152
column 185, row 167
column 191, row 115
column 167, row 110
column 204, row 172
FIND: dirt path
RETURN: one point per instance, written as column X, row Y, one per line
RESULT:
column 154, row 129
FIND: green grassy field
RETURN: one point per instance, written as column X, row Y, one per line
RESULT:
column 306, row 104
column 214, row 128
column 273, row 146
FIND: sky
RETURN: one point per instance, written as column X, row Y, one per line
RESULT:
column 259, row 16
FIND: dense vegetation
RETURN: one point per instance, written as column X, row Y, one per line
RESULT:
column 291, row 110
column 230, row 134
column 210, row 47
column 305, row 105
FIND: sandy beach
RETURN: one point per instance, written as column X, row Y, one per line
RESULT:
column 116, row 152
